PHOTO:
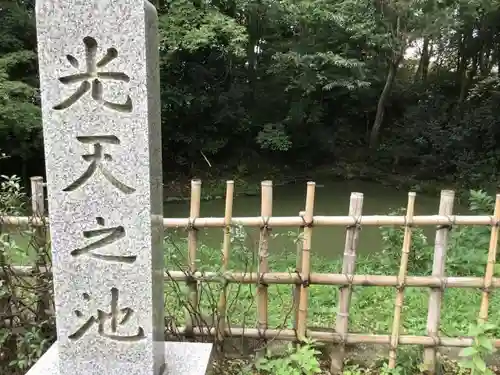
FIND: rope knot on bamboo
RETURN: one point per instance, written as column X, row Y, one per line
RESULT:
column 190, row 279
column 495, row 222
column 261, row 280
column 408, row 222
column 305, row 282
column 486, row 289
column 261, row 329
column 306, row 224
column 443, row 281
column 450, row 225
column 401, row 285
column 357, row 223
column 191, row 224
column 349, row 280
column 436, row 340
column 342, row 338
column 265, row 223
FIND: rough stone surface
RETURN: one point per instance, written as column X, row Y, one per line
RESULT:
column 99, row 80
column 181, row 359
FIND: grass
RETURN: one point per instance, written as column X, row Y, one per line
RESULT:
column 371, row 307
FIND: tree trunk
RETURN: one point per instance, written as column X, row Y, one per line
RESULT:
column 423, row 65
column 379, row 116
column 468, row 79
column 426, row 60
column 463, row 62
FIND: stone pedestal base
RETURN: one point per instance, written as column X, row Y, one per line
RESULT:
column 181, row 358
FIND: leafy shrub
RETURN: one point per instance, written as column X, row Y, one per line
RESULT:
column 301, row 360
column 467, row 245
column 25, row 331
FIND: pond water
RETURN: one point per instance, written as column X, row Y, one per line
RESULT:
column 332, row 198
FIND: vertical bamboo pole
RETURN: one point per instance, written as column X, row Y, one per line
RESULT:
column 345, row 291
column 40, row 245
column 306, row 260
column 226, row 246
column 403, row 269
column 266, row 212
column 38, row 208
column 440, row 247
column 194, row 213
column 490, row 266
column 298, row 269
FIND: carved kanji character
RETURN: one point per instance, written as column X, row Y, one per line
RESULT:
column 110, row 235
column 96, row 160
column 91, row 79
column 115, row 316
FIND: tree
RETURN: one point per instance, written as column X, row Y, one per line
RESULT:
column 20, row 120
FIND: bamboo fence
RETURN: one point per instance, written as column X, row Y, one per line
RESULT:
column 304, row 276
column 194, row 213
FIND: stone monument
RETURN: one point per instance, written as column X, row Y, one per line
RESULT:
column 99, row 77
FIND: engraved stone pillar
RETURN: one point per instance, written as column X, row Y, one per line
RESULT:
column 100, row 90
column 99, row 76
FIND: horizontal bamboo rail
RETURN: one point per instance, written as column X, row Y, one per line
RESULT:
column 315, row 278
column 332, row 337
column 295, row 221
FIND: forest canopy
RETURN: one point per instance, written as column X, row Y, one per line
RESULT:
column 411, row 83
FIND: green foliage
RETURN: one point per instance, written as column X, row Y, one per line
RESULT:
column 467, row 246
column 193, row 27
column 482, row 346
column 352, row 370
column 274, row 137
column 420, row 257
column 480, row 202
column 19, row 114
column 301, row 360
column 386, row 370
column 297, row 83
column 24, row 335
column 30, row 347
column 12, row 197
column 20, row 121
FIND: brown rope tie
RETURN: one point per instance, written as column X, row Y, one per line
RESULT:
column 191, row 224
column 304, row 282
column 408, row 223
column 306, row 224
column 265, row 223
column 260, row 282
column 356, row 224
column 349, row 280
column 494, row 222
column 443, row 283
